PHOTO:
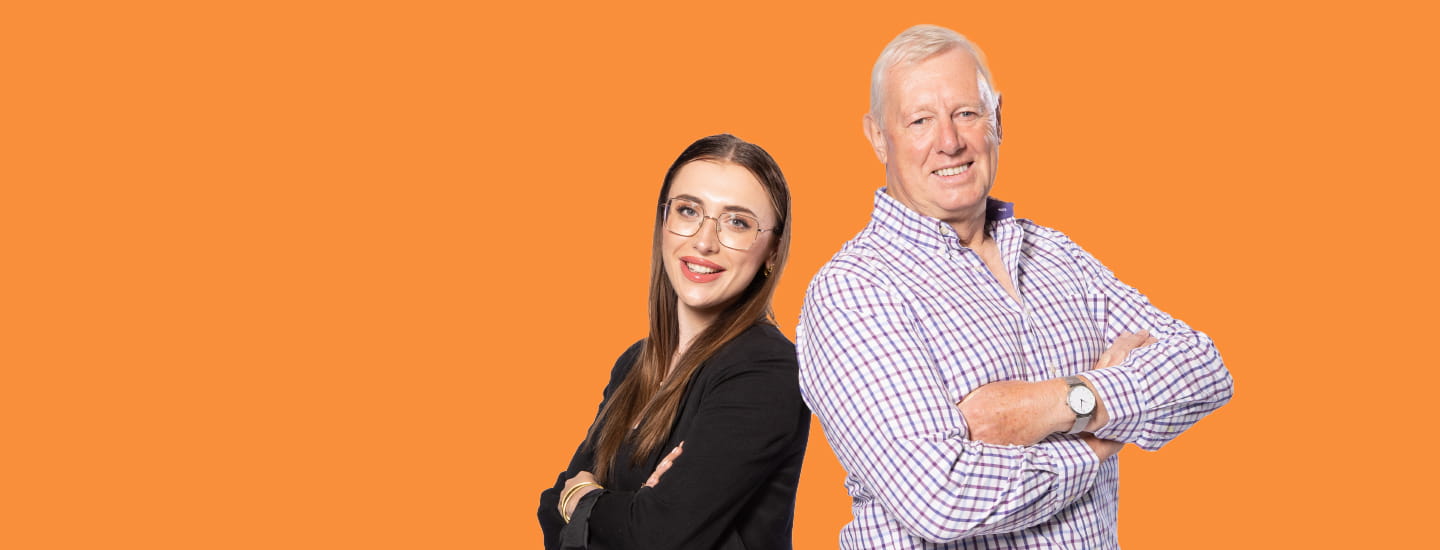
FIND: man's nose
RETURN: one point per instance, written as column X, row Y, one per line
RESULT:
column 706, row 240
column 948, row 142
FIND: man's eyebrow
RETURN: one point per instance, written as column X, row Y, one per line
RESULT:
column 910, row 110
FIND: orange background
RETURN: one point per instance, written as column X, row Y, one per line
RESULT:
column 352, row 275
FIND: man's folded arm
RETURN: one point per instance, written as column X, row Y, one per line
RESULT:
column 868, row 376
column 1161, row 389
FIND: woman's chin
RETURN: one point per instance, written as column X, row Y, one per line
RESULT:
column 705, row 305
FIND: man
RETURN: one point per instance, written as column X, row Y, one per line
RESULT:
column 957, row 356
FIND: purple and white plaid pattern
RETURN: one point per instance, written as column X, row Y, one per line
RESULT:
column 904, row 322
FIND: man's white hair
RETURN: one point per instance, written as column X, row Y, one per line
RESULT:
column 922, row 42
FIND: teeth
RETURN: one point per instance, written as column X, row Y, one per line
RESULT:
column 953, row 171
column 700, row 268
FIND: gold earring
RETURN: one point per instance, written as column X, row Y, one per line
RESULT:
column 768, row 269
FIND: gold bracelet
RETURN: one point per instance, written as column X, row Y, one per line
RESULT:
column 565, row 501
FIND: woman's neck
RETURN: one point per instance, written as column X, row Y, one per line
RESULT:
column 691, row 324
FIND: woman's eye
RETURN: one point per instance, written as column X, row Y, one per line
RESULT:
column 740, row 224
column 686, row 211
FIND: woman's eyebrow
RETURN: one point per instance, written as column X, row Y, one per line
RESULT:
column 737, row 208
column 728, row 208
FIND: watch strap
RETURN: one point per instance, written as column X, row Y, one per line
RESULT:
column 1080, row 419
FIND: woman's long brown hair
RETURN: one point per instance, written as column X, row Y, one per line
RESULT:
column 645, row 394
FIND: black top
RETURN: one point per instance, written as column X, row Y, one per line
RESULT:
column 733, row 487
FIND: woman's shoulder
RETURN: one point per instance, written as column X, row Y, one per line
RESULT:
column 627, row 360
column 761, row 344
column 633, row 351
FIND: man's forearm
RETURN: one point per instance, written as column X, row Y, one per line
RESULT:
column 1017, row 412
column 1161, row 391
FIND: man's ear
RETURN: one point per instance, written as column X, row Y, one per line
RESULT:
column 877, row 139
column 999, row 128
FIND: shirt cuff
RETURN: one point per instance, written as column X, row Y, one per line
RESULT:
column 1120, row 394
column 1075, row 465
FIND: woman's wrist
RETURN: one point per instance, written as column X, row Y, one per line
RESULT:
column 572, row 497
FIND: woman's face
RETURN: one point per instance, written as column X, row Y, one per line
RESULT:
column 706, row 274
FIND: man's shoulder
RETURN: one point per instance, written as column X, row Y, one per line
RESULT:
column 861, row 259
column 866, row 272
column 1044, row 236
column 1048, row 245
column 1034, row 230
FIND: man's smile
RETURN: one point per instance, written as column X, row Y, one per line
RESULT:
column 954, row 170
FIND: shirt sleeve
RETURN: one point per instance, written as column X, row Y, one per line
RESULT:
column 866, row 373
column 1162, row 389
column 583, row 459
column 745, row 428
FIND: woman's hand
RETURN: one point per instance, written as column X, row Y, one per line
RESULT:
column 665, row 464
column 567, row 507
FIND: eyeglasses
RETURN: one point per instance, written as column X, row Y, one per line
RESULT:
column 736, row 231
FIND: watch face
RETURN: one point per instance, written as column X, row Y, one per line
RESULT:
column 1081, row 400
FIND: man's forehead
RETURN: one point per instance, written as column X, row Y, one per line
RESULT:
column 953, row 57
column 957, row 77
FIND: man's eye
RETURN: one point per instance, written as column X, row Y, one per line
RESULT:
column 969, row 114
column 920, row 121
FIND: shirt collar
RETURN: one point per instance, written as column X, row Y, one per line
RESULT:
column 897, row 221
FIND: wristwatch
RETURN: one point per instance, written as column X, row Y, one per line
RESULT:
column 1081, row 401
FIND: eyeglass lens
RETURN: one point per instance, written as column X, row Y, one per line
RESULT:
column 737, row 231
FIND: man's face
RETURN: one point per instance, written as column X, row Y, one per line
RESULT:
column 935, row 139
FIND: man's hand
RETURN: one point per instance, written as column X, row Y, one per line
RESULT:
column 1017, row 412
column 1121, row 347
column 1114, row 355
column 1104, row 448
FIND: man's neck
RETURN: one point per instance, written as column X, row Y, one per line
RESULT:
column 971, row 229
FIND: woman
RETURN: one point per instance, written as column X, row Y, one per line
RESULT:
column 701, row 433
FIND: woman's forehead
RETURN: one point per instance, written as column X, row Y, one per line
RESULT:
column 721, row 186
